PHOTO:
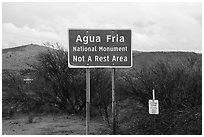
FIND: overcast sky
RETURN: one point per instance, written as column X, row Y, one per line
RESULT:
column 155, row 26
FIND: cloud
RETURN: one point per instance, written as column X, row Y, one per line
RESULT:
column 13, row 35
column 155, row 26
column 169, row 27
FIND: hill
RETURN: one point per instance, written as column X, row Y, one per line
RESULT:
column 146, row 59
column 17, row 58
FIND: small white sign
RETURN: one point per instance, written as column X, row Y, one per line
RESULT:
column 153, row 107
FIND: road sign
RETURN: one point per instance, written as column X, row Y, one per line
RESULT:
column 100, row 49
column 28, row 80
column 153, row 107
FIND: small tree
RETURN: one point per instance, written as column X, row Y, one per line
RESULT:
column 17, row 97
column 67, row 85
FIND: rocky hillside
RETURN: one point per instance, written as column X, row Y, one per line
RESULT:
column 18, row 58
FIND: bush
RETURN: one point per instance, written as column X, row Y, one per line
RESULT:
column 66, row 86
column 7, row 112
column 16, row 94
column 179, row 91
column 30, row 119
column 101, row 92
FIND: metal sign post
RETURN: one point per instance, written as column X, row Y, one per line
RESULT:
column 153, row 94
column 113, row 102
column 87, row 100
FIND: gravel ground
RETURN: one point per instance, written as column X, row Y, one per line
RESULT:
column 50, row 125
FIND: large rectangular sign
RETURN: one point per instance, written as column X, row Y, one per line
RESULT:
column 99, row 49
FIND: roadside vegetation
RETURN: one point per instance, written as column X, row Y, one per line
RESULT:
column 58, row 89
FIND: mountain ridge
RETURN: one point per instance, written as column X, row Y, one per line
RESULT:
column 17, row 58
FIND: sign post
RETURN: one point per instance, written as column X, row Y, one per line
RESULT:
column 153, row 94
column 99, row 49
column 87, row 100
column 113, row 102
column 153, row 109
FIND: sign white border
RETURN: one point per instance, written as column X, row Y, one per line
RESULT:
column 131, row 56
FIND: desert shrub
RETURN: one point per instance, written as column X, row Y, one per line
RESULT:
column 7, row 111
column 171, row 122
column 67, row 90
column 30, row 118
column 49, row 109
column 67, row 87
column 16, row 95
column 101, row 92
column 179, row 91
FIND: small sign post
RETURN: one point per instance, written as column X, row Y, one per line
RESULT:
column 153, row 105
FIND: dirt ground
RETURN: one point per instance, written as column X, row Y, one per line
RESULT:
column 51, row 125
